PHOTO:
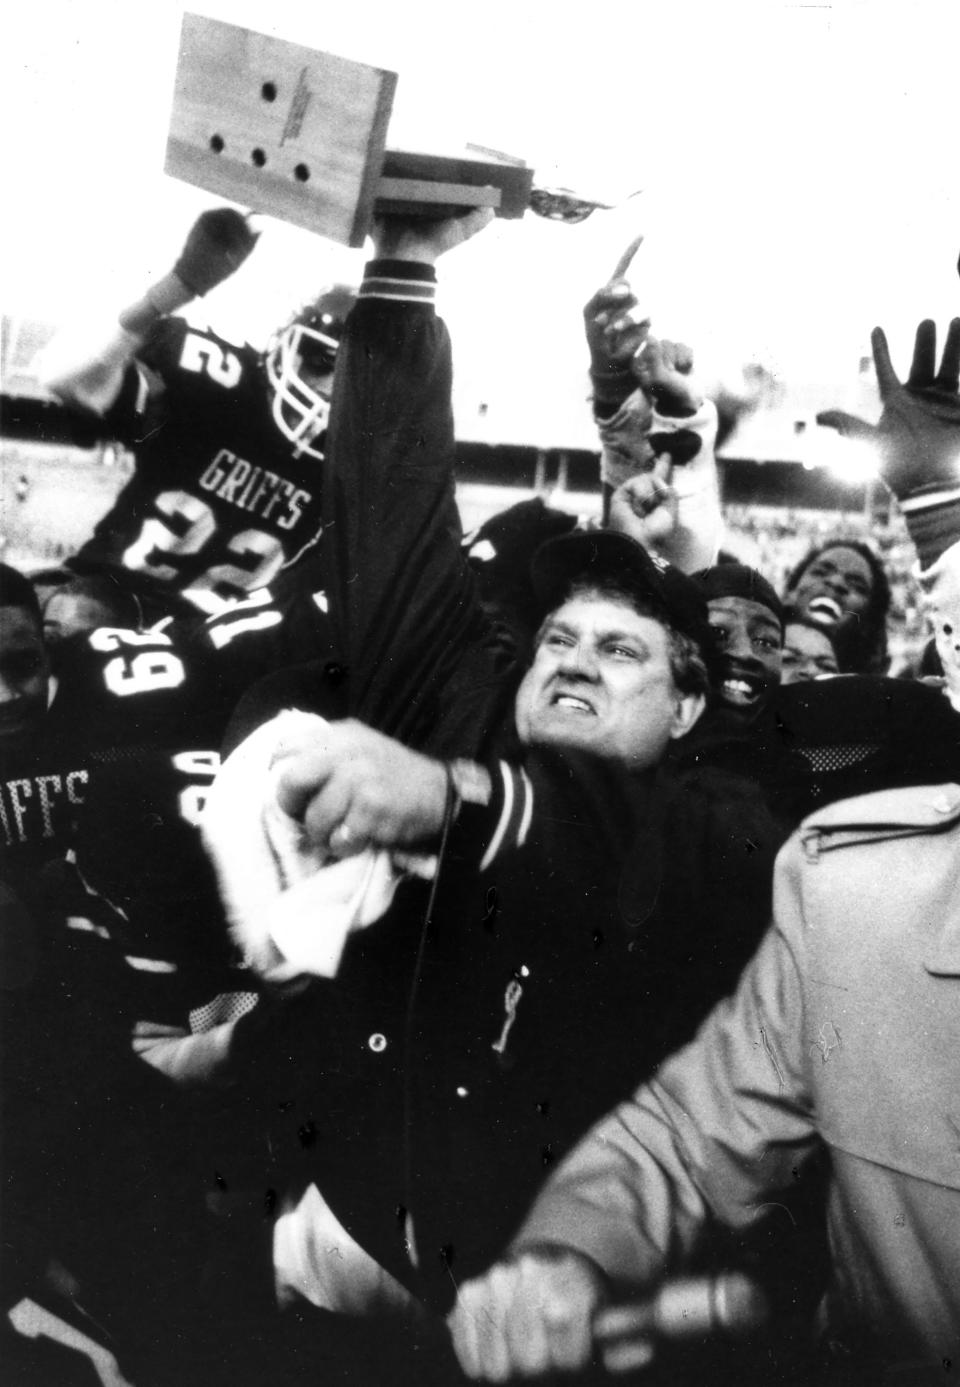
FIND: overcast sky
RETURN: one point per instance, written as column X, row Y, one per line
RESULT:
column 799, row 167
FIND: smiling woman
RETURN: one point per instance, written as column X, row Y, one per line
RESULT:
column 843, row 586
column 808, row 651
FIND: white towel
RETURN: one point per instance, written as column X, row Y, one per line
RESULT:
column 291, row 906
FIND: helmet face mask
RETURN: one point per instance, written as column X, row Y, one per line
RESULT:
column 299, row 365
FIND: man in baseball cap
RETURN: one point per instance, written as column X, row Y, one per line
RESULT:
column 618, row 666
column 604, row 887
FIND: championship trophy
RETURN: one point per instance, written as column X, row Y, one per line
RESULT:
column 302, row 135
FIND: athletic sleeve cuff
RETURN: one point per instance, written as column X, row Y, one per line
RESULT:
column 399, row 281
column 933, row 522
column 499, row 821
column 609, row 392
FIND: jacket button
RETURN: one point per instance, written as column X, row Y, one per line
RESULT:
column 377, row 1042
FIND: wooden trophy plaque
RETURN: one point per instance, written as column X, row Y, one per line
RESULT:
column 301, row 135
column 278, row 128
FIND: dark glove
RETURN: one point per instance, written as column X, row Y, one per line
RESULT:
column 219, row 242
column 918, row 436
column 612, row 336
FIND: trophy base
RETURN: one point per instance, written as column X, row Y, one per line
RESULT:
column 433, row 185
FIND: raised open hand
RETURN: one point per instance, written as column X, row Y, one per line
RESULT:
column 918, row 436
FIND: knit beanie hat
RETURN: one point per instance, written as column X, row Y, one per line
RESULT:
column 737, row 580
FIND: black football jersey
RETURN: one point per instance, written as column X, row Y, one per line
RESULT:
column 120, row 696
column 217, row 503
column 114, row 780
column 136, row 725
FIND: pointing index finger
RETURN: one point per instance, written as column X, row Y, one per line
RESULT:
column 623, row 264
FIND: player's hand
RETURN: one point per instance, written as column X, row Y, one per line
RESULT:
column 918, row 436
column 529, row 1316
column 425, row 239
column 219, row 242
column 646, row 507
column 353, row 788
column 613, row 336
column 664, row 371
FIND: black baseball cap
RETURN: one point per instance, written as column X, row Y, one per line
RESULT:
column 596, row 555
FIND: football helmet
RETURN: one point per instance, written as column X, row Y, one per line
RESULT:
column 297, row 359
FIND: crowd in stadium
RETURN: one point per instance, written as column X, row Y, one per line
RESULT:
column 433, row 959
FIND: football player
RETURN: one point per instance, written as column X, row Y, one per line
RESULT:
column 228, row 440
column 119, row 984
